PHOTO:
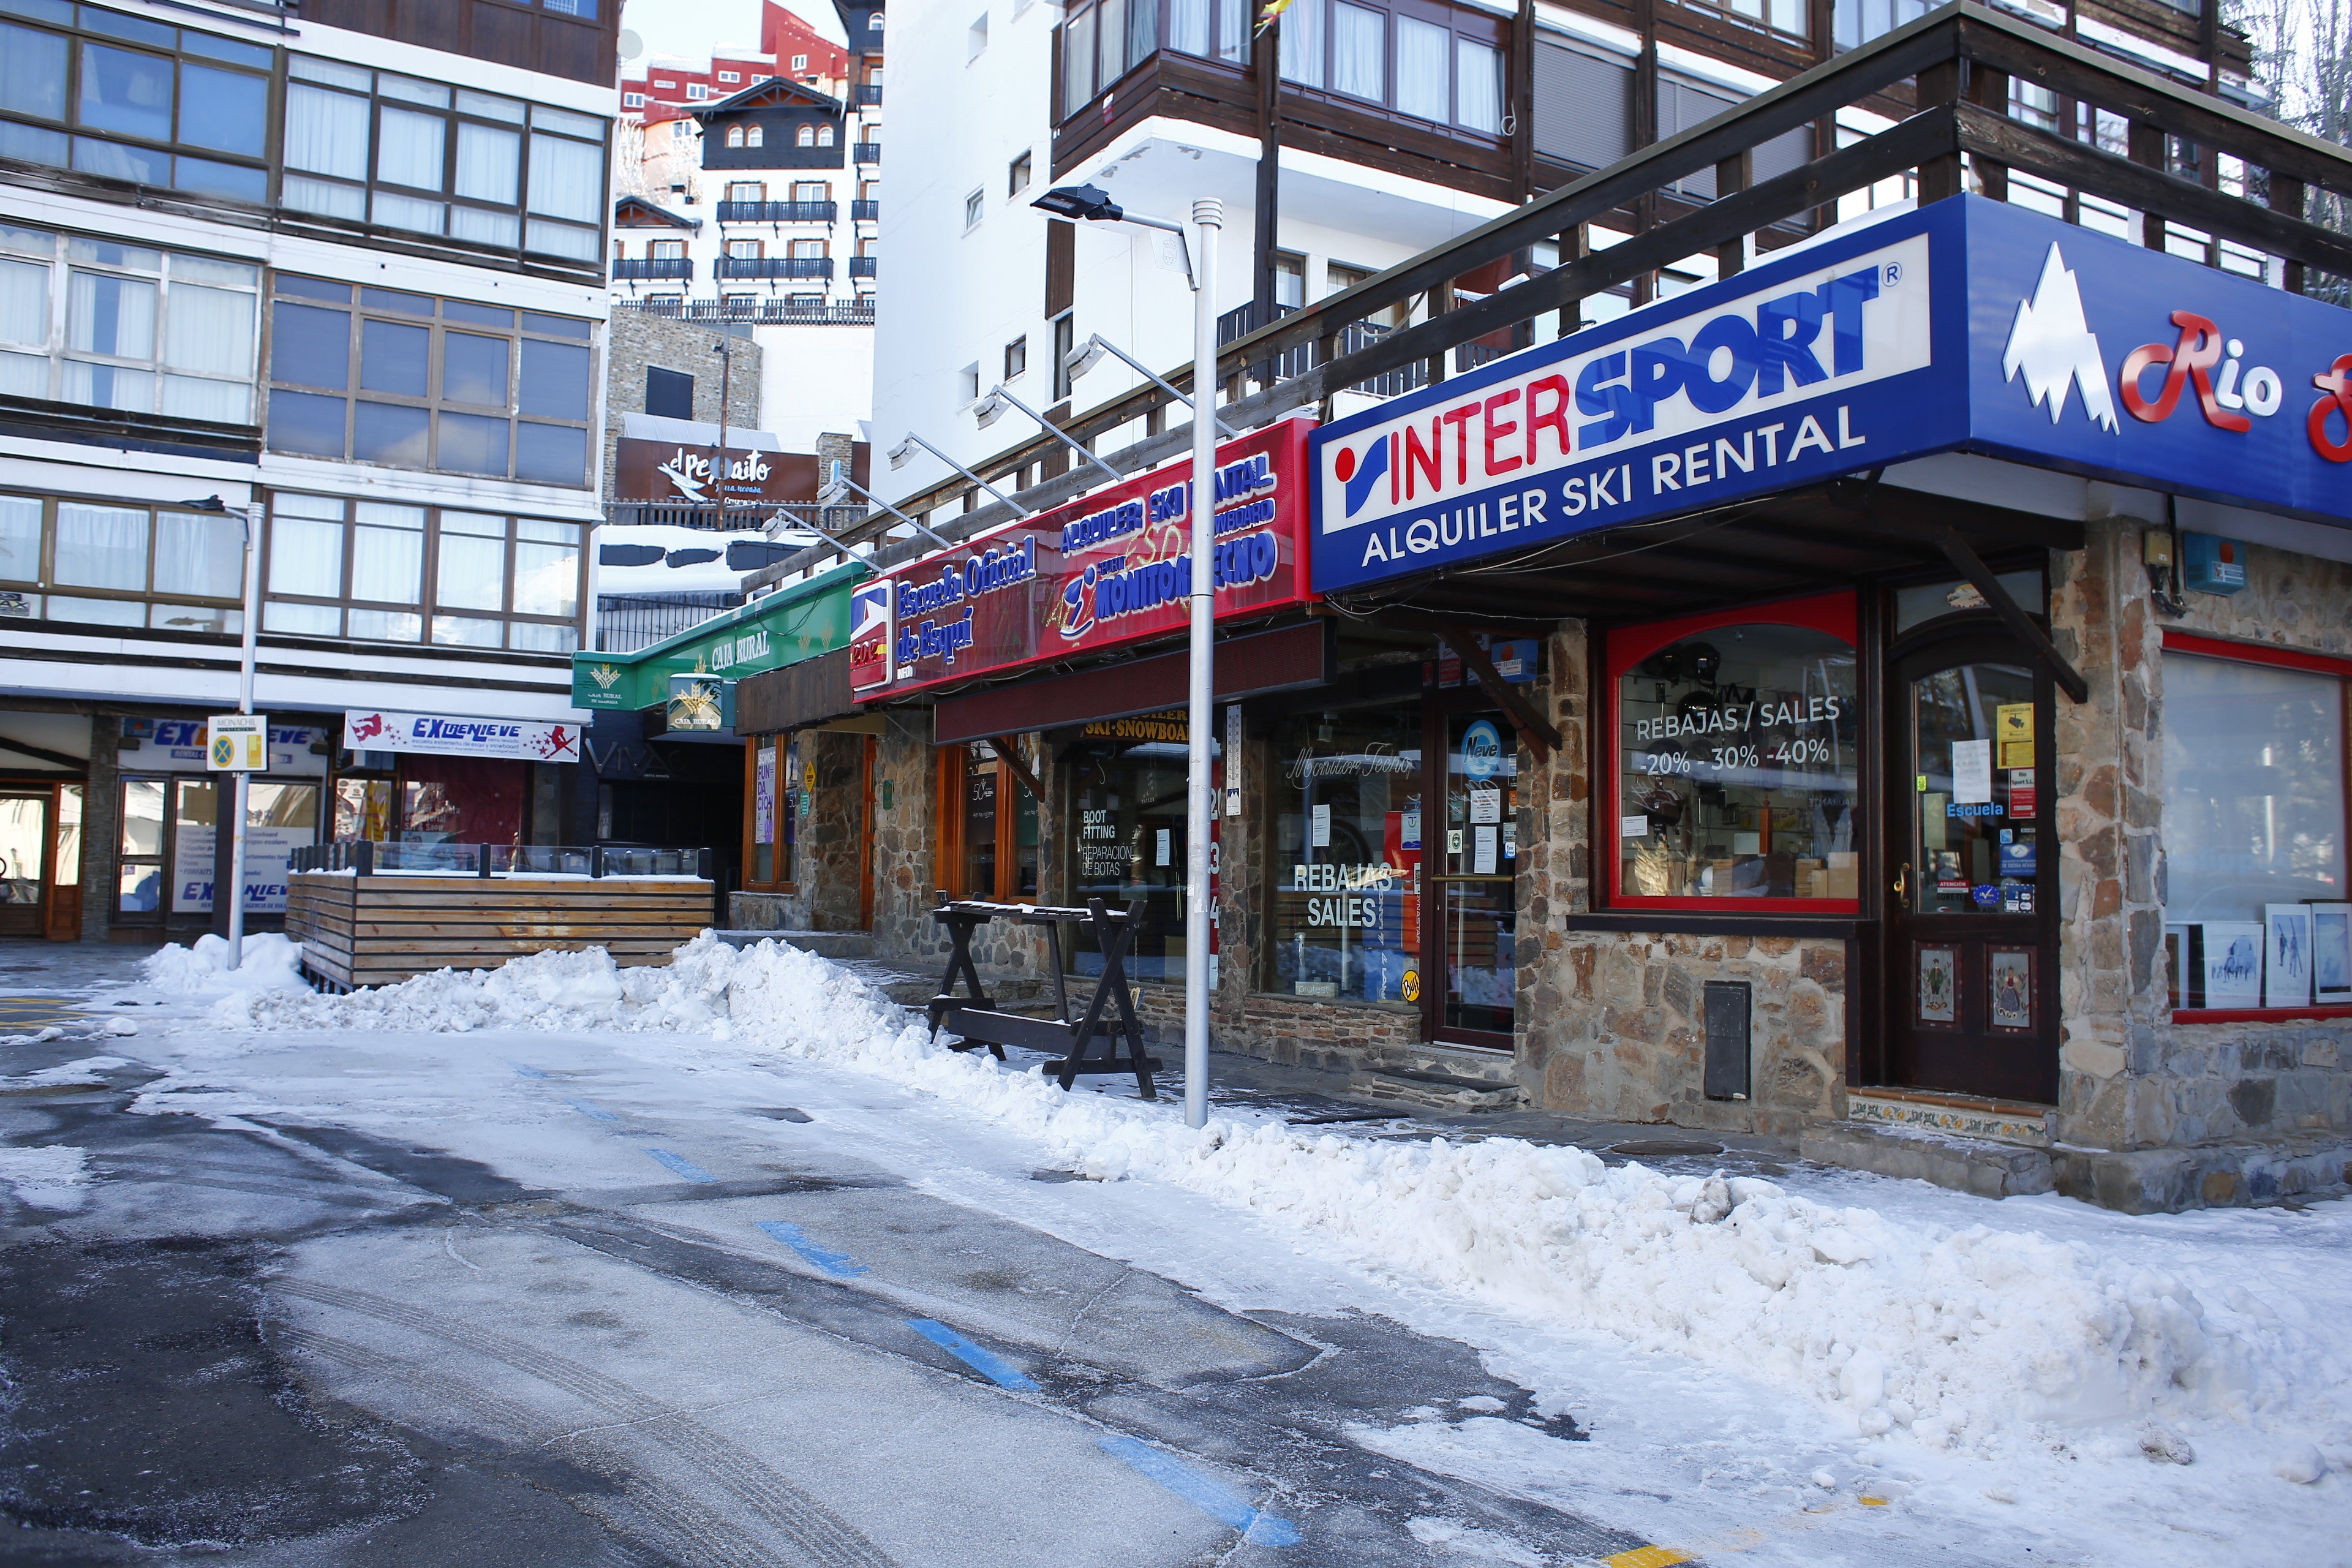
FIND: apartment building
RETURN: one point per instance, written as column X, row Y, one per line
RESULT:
column 331, row 283
column 658, row 147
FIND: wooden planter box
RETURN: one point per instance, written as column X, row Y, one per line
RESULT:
column 381, row 929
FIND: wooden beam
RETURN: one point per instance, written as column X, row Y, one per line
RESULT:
column 2021, row 626
column 1541, row 737
column 1008, row 751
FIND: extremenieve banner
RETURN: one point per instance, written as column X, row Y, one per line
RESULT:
column 454, row 735
column 1110, row 569
column 1967, row 326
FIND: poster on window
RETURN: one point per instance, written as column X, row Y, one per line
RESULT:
column 764, row 795
column 2009, row 975
column 2331, row 953
column 1939, row 985
column 2230, row 963
column 1110, row 569
column 2286, row 958
column 267, row 853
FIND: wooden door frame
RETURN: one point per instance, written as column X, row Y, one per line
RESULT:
column 1439, row 704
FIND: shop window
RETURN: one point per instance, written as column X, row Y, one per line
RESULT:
column 281, row 816
column 95, row 322
column 988, row 827
column 115, row 563
column 459, row 800
column 772, row 791
column 1738, row 757
column 138, row 870
column 446, row 160
column 2253, row 785
column 382, row 572
column 129, row 97
column 1125, row 835
column 1345, row 855
column 411, row 381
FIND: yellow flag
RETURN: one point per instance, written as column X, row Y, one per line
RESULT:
column 1267, row 15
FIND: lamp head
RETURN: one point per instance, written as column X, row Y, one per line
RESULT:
column 989, row 409
column 1085, row 356
column 901, row 453
column 1086, row 203
column 210, row 503
column 833, row 494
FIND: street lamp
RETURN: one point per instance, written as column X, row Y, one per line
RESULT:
column 250, row 515
column 1090, row 204
column 990, row 409
column 1088, row 354
column 903, row 450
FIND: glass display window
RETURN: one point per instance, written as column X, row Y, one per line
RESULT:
column 1345, row 862
column 1737, row 758
column 1127, row 839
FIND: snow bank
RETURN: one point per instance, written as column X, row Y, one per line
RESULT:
column 1970, row 1338
column 46, row 1178
column 271, row 961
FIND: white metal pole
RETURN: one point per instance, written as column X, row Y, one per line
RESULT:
column 252, row 629
column 1208, row 218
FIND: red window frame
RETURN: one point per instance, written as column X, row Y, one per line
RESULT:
column 1836, row 614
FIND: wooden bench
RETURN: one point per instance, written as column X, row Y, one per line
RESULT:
column 974, row 1015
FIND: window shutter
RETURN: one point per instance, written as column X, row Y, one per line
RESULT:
column 1583, row 107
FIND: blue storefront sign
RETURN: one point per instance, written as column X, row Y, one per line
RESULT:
column 1967, row 326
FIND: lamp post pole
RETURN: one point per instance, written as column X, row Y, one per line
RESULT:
column 243, row 793
column 1207, row 220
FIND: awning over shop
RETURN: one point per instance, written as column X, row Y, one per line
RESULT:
column 810, row 692
column 1283, row 659
column 770, row 633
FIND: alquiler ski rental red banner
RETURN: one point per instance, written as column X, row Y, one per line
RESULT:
column 1100, row 572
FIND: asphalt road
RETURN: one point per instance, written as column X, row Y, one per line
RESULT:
column 568, row 1316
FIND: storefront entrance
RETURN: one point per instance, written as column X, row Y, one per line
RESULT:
column 1971, row 915
column 1471, row 882
column 24, row 861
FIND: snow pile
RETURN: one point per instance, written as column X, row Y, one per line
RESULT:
column 48, row 1178
column 1968, row 1338
column 271, row 961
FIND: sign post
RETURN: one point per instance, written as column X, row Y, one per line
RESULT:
column 236, row 744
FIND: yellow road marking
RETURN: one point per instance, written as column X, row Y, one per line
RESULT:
column 1647, row 1557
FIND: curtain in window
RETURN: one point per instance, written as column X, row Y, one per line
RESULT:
column 1187, row 26
column 1421, row 51
column 411, row 152
column 1357, row 47
column 32, row 73
column 306, row 557
column 110, row 315
column 195, row 398
column 200, row 556
column 24, row 304
column 209, row 329
column 1302, row 43
column 1077, row 63
column 546, row 569
column 487, row 164
column 473, row 572
column 1232, row 30
column 567, row 178
column 388, row 554
column 1142, row 30
column 20, row 539
column 1478, row 86
column 1110, row 42
column 101, row 547
column 125, row 91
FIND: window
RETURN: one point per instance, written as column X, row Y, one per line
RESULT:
column 975, row 207
column 414, row 383
column 123, row 564
column 379, row 573
column 968, row 382
column 679, row 130
column 811, row 191
column 97, row 322
column 633, row 101
column 2254, row 786
column 446, row 161
column 746, row 191
column 1289, row 279
column 989, row 823
column 1779, row 16
column 810, row 249
column 1016, row 357
column 696, row 93
column 1345, row 854
column 1478, row 86
column 730, row 76
column 1737, row 744
column 1066, row 343
column 799, row 62
column 1856, row 22
column 975, row 39
column 132, row 98
column 669, row 393
column 825, row 135
column 734, row 136
column 1127, row 839
column 666, row 249
column 745, row 250
column 1017, row 178
column 756, row 136
column 874, row 23
column 807, row 137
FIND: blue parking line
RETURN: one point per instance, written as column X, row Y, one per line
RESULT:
column 684, row 1167
column 590, row 1108
column 840, row 1265
column 988, row 1364
column 522, row 1071
column 1210, row 1497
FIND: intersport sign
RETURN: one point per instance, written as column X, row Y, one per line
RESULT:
column 1967, row 326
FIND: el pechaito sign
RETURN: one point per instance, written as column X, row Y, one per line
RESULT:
column 1102, row 571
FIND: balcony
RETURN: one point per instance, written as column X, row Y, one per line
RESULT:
column 865, row 212
column 786, row 311
column 650, row 269
column 863, row 265
column 779, row 212
column 865, row 152
column 866, row 94
column 1354, row 337
column 802, row 266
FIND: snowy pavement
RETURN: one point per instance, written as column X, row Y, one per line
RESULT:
column 725, row 1263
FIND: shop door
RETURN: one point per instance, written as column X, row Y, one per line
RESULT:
column 1468, row 936
column 1971, row 911
column 23, row 868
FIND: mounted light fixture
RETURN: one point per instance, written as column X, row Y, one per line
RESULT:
column 1085, row 356
column 995, row 404
column 989, row 409
column 902, row 452
column 1088, row 354
column 913, row 441
column 1084, row 203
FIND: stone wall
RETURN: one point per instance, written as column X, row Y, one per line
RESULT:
column 2130, row 1077
column 636, row 339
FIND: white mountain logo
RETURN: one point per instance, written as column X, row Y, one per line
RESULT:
column 2056, row 347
